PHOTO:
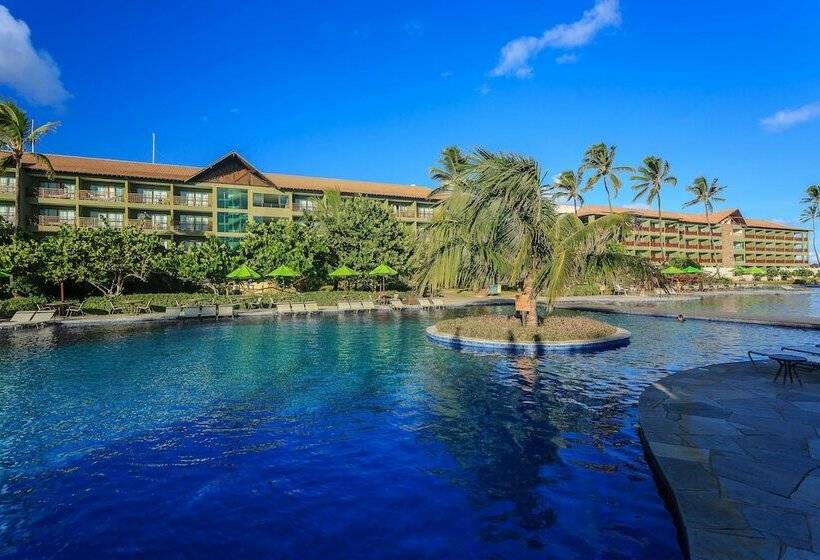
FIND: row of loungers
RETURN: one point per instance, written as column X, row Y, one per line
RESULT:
column 356, row 306
column 32, row 318
column 229, row 310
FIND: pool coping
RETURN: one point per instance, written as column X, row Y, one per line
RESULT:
column 619, row 338
column 737, row 458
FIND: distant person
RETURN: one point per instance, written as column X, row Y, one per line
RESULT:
column 681, row 318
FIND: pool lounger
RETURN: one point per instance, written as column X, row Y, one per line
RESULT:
column 437, row 302
column 226, row 310
column 298, row 308
column 357, row 305
column 189, row 312
column 283, row 308
column 207, row 311
column 21, row 318
column 368, row 305
column 425, row 303
column 344, row 306
column 396, row 304
column 312, row 307
column 173, row 312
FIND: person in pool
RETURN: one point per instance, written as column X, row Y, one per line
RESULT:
column 680, row 318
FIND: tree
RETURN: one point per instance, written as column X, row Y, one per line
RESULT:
column 650, row 177
column 600, row 159
column 452, row 162
column 23, row 259
column 810, row 214
column 300, row 245
column 706, row 192
column 363, row 233
column 502, row 227
column 107, row 257
column 206, row 264
column 569, row 186
column 17, row 131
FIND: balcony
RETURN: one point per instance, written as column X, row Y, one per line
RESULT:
column 404, row 212
column 10, row 217
column 151, row 225
column 99, row 222
column 102, row 196
column 304, row 205
column 193, row 227
column 653, row 229
column 152, row 199
column 56, row 194
column 54, row 221
column 8, row 189
column 193, row 201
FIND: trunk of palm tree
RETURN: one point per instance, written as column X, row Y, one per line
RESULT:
column 575, row 205
column 18, row 211
column 608, row 197
column 531, row 303
column 711, row 241
column 814, row 239
column 663, row 231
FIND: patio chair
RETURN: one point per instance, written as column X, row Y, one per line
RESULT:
column 437, row 302
column 114, row 308
column 312, row 307
column 143, row 307
column 226, row 310
column 298, row 307
column 207, row 311
column 75, row 310
column 344, row 306
column 397, row 304
column 258, row 304
column 618, row 290
column 283, row 308
column 368, row 305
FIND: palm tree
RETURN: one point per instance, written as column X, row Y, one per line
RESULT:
column 501, row 228
column 452, row 162
column 812, row 195
column 569, row 186
column 600, row 159
column 706, row 192
column 650, row 178
column 810, row 214
column 17, row 131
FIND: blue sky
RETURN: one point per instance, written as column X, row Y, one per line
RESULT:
column 374, row 91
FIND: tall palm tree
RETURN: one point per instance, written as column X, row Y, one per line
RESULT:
column 650, row 177
column 17, row 131
column 812, row 195
column 451, row 162
column 501, row 228
column 569, row 185
column 706, row 192
column 811, row 214
column 600, row 159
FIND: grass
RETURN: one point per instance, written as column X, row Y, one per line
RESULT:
column 501, row 328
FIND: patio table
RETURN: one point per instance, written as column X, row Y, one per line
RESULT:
column 788, row 363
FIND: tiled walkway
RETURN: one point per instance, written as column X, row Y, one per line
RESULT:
column 739, row 456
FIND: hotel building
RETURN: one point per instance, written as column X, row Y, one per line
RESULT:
column 183, row 202
column 732, row 240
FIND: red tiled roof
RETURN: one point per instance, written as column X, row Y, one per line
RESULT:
column 716, row 217
column 181, row 173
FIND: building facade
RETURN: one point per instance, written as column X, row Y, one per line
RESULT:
column 182, row 202
column 730, row 241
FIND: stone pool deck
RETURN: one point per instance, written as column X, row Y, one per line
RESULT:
column 738, row 457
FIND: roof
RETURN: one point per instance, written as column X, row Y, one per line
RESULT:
column 102, row 167
column 715, row 217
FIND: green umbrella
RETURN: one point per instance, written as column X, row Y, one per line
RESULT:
column 756, row 270
column 741, row 270
column 283, row 271
column 692, row 270
column 244, row 272
column 382, row 270
column 672, row 270
column 343, row 272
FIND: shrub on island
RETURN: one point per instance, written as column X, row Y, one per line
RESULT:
column 505, row 329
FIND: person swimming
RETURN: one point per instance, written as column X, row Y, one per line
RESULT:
column 680, row 318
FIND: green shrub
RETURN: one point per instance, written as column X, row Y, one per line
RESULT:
column 10, row 306
column 553, row 329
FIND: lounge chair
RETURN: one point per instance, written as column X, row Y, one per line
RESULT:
column 114, row 308
column 283, row 308
column 41, row 317
column 425, row 303
column 207, row 311
column 258, row 304
column 368, row 305
column 173, row 311
column 190, row 312
column 298, row 308
column 143, row 307
column 437, row 302
column 357, row 306
column 226, row 310
column 344, row 306
column 21, row 318
column 396, row 304
column 312, row 307
column 618, row 290
column 75, row 310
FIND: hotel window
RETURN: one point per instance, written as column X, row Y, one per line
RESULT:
column 233, row 199
column 148, row 195
column 56, row 216
column 304, row 203
column 229, row 222
column 266, row 219
column 7, row 182
column 113, row 219
column 232, row 242
column 425, row 211
column 67, row 187
column 105, row 191
column 157, row 220
column 194, row 198
column 7, row 212
column 263, row 200
column 193, row 222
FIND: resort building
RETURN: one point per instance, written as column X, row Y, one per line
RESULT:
column 731, row 241
column 183, row 202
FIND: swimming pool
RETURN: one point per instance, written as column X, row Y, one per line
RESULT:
column 785, row 304
column 348, row 436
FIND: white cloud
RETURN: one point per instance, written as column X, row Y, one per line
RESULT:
column 787, row 118
column 446, row 75
column 31, row 73
column 567, row 58
column 413, row 27
column 484, row 89
column 516, row 54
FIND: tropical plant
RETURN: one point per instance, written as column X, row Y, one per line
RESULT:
column 452, row 162
column 600, row 159
column 569, row 185
column 650, row 177
column 812, row 195
column 206, row 264
column 501, row 228
column 16, row 132
column 706, row 192
column 811, row 214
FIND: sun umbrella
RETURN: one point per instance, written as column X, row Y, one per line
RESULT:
column 672, row 270
column 244, row 272
column 692, row 270
column 283, row 271
column 343, row 272
column 382, row 270
column 756, row 270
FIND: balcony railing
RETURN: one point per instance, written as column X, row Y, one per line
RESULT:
column 63, row 194
column 656, row 229
column 154, row 199
column 102, row 196
column 193, row 227
column 151, row 225
column 304, row 206
column 193, row 202
column 8, row 189
column 404, row 212
column 54, row 221
column 9, row 217
column 772, row 237
column 99, row 222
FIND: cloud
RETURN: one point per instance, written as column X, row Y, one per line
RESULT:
column 568, row 58
column 516, row 54
column 446, row 74
column 413, row 27
column 31, row 73
column 787, row 118
column 484, row 90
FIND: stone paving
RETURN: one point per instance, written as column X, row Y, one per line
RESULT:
column 739, row 458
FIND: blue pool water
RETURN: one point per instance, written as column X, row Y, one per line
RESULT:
column 784, row 304
column 334, row 437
